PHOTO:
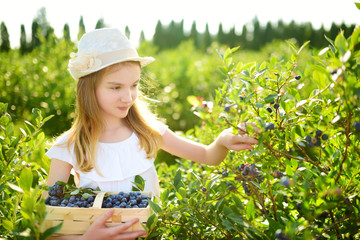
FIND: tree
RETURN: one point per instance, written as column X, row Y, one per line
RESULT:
column 142, row 37
column 268, row 33
column 82, row 29
column 194, row 35
column 127, row 32
column 23, row 42
column 257, row 34
column 206, row 38
column 35, row 40
column 158, row 38
column 5, row 42
column 100, row 24
column 244, row 37
column 66, row 32
column 221, row 38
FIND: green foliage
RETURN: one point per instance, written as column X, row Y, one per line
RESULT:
column 39, row 80
column 22, row 171
column 309, row 183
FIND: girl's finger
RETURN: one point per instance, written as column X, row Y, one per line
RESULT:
column 240, row 147
column 245, row 139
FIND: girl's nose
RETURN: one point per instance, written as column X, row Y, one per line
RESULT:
column 126, row 96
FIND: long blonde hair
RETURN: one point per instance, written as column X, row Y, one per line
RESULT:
column 89, row 123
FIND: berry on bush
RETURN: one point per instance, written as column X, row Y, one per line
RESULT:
column 357, row 126
column 297, row 77
column 276, row 105
column 269, row 126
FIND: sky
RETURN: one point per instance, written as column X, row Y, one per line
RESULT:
column 143, row 15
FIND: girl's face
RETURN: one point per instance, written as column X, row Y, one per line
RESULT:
column 117, row 90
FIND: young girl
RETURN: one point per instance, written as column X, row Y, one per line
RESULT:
column 113, row 137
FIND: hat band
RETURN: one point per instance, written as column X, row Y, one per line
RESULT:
column 115, row 56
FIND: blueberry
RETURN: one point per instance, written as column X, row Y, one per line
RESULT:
column 135, row 206
column 124, row 200
column 108, row 205
column 225, row 174
column 252, row 165
column 65, row 201
column 123, row 205
column 242, row 166
column 90, row 199
column 82, row 199
column 325, row 137
column 145, row 202
column 269, row 109
column 276, row 105
column 47, row 200
column 357, row 126
column 280, row 235
column 311, row 144
column 72, row 199
column 204, row 189
column 241, row 98
column 318, row 142
column 285, row 182
column 308, row 138
column 133, row 202
column 297, row 77
column 53, row 202
column 318, row 133
column 269, row 126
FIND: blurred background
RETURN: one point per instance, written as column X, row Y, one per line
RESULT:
column 37, row 38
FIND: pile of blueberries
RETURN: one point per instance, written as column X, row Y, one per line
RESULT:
column 56, row 198
column 126, row 200
column 250, row 172
column 316, row 140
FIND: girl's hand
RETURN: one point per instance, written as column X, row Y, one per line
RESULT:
column 237, row 142
column 98, row 230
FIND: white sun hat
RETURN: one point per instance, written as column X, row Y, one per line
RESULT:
column 101, row 48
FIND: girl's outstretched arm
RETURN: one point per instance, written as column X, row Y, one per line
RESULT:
column 59, row 171
column 212, row 154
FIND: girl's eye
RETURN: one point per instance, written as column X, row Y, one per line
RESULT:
column 115, row 88
column 135, row 85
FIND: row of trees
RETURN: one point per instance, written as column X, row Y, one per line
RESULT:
column 253, row 35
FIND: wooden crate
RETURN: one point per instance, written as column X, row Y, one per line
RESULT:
column 78, row 220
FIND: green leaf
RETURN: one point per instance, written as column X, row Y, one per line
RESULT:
column 303, row 46
column 139, row 183
column 289, row 171
column 151, row 221
column 86, row 195
column 193, row 101
column 14, row 187
column 293, row 48
column 270, row 98
column 8, row 225
column 155, row 207
column 37, row 113
column 357, row 5
column 177, row 179
column 75, row 192
column 26, row 179
column 250, row 210
column 51, row 231
column 341, row 43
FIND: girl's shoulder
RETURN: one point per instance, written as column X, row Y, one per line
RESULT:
column 158, row 126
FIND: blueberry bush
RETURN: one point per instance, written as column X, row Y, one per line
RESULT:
column 302, row 179
column 23, row 169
